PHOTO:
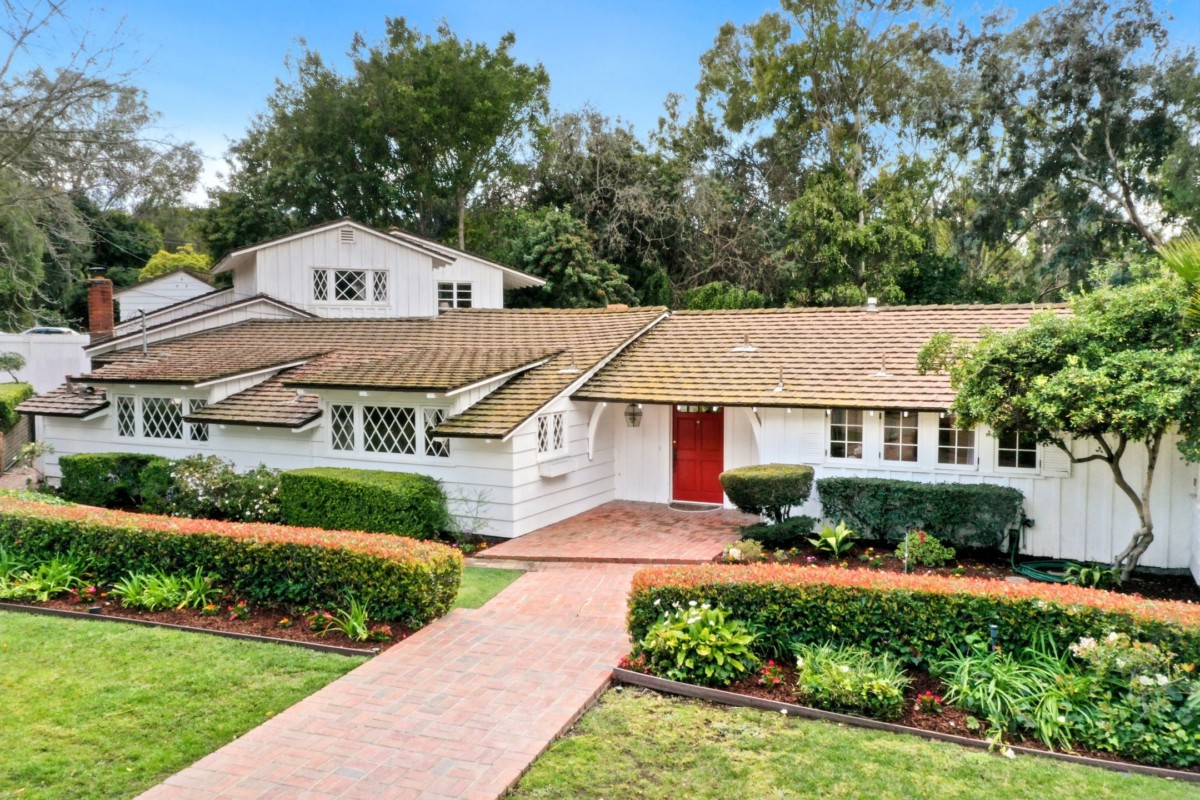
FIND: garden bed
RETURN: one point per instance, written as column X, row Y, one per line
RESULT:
column 985, row 563
column 261, row 623
column 747, row 693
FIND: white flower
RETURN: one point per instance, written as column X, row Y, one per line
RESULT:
column 1162, row 680
column 735, row 554
column 657, row 601
column 1062, row 720
column 692, row 603
column 1112, row 637
column 1145, row 680
column 799, row 662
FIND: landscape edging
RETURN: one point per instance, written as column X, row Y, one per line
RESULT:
column 251, row 637
column 723, row 697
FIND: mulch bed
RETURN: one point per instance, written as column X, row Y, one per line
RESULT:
column 262, row 621
column 992, row 564
column 952, row 720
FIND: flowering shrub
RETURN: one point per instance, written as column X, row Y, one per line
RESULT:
column 209, row 487
column 239, row 610
column 771, row 674
column 911, row 616
column 850, row 679
column 746, row 551
column 920, row 547
column 698, row 644
column 402, row 579
column 635, row 663
column 929, row 703
column 1149, row 705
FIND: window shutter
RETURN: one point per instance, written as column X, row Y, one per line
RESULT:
column 1055, row 463
column 812, row 436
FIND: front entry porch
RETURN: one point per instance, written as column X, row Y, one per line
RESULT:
column 626, row 532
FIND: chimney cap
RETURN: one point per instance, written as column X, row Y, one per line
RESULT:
column 872, row 304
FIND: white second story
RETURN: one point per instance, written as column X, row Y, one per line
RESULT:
column 349, row 270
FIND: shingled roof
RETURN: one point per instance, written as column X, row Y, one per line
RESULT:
column 66, row 401
column 813, row 357
column 553, row 347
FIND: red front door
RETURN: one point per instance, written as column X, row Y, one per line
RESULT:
column 699, row 453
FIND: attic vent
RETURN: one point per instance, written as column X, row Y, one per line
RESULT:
column 347, row 235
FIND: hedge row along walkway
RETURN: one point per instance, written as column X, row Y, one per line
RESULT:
column 459, row 710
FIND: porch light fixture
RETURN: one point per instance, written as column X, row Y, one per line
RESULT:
column 633, row 415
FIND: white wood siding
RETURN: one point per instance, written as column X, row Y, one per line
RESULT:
column 153, row 295
column 207, row 303
column 1080, row 515
column 285, row 270
column 487, row 282
column 217, row 318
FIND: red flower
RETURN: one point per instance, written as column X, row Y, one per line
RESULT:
column 921, row 536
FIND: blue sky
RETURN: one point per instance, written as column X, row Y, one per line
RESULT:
column 208, row 66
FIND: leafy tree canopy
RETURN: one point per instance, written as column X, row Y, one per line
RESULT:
column 556, row 246
column 184, row 257
column 1119, row 370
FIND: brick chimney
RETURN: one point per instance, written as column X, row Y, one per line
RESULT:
column 100, row 305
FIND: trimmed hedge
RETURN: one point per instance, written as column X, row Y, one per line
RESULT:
column 967, row 514
column 364, row 499
column 400, row 579
column 918, row 617
column 11, row 396
column 770, row 489
column 106, row 479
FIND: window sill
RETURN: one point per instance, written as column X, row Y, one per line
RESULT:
column 556, row 466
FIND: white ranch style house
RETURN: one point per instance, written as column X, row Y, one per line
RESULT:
column 343, row 345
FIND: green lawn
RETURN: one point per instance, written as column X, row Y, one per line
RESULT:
column 95, row 710
column 637, row 744
column 480, row 584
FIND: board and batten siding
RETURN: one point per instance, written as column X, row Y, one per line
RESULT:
column 207, row 302
column 1077, row 511
column 160, row 293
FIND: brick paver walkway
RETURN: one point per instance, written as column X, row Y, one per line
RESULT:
column 459, row 710
column 629, row 533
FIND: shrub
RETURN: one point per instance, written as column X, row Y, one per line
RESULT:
column 11, row 396
column 746, row 551
column 400, row 578
column 920, row 547
column 210, row 487
column 363, row 499
column 792, row 532
column 698, row 644
column 968, row 514
column 1148, row 705
column 111, row 480
column 770, row 490
column 850, row 679
column 921, row 617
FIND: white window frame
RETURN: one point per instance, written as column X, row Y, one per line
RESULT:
column 421, row 441
column 189, row 431
column 862, row 442
column 458, row 291
column 976, row 433
column 552, row 435
column 1036, row 469
column 371, row 277
column 909, row 420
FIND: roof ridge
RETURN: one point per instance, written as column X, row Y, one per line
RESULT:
column 865, row 309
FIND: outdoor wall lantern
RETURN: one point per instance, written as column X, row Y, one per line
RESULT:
column 633, row 415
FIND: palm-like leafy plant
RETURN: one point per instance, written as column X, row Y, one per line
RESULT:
column 1182, row 255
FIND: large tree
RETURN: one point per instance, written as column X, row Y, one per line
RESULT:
column 1083, row 122
column 404, row 139
column 1121, row 370
column 843, row 90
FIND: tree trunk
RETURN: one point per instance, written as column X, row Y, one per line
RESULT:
column 1127, row 559
column 461, row 203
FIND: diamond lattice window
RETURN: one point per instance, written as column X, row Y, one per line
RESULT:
column 162, row 418
column 321, row 284
column 387, row 429
column 197, row 431
column 379, row 286
column 350, row 285
column 126, row 417
column 552, row 434
column 342, row 418
column 434, row 446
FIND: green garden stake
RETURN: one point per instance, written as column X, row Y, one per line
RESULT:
column 993, row 632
